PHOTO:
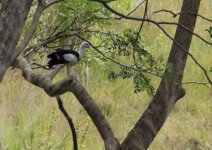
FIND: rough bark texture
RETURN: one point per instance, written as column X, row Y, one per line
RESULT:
column 13, row 15
column 141, row 136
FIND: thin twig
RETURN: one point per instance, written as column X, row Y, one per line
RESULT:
column 184, row 27
column 194, row 82
column 194, row 59
column 39, row 66
column 145, row 14
column 132, row 11
column 70, row 122
column 199, row 83
column 176, row 14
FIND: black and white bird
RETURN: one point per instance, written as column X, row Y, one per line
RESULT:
column 62, row 56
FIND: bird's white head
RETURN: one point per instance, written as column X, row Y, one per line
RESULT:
column 82, row 46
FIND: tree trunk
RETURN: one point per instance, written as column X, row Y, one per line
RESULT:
column 169, row 91
column 13, row 15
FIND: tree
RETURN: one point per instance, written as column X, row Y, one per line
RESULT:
column 169, row 91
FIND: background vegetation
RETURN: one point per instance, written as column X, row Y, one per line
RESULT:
column 31, row 120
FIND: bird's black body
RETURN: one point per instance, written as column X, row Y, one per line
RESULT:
column 62, row 56
column 58, row 57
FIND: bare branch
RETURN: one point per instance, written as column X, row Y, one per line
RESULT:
column 145, row 14
column 194, row 82
column 70, row 122
column 176, row 14
column 132, row 11
column 199, row 83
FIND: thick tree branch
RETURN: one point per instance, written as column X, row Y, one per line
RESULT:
column 71, row 84
column 12, row 19
column 16, row 14
column 169, row 90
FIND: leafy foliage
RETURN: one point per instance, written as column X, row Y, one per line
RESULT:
column 128, row 47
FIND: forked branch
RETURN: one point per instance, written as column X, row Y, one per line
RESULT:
column 71, row 84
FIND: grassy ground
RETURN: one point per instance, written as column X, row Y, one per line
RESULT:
column 31, row 120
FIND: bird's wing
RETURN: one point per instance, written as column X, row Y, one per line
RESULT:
column 52, row 55
column 64, row 51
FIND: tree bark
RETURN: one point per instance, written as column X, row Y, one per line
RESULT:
column 13, row 15
column 170, row 90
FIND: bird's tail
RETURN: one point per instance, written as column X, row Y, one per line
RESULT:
column 51, row 63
